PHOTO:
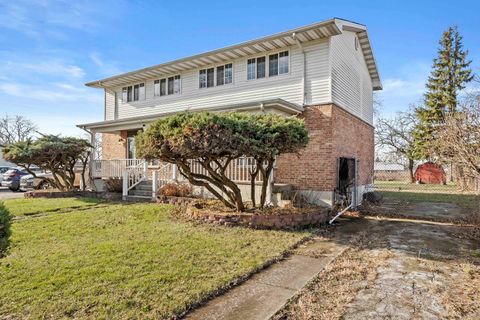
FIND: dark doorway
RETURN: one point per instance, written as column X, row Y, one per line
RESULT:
column 346, row 186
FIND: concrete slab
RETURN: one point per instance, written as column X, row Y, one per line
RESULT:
column 266, row 292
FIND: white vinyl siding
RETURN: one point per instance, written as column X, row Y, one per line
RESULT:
column 288, row 87
column 109, row 105
column 351, row 82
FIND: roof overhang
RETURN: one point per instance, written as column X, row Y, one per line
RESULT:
column 275, row 105
column 320, row 30
column 361, row 31
column 312, row 32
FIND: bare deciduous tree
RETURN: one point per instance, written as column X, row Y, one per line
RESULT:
column 460, row 140
column 395, row 136
column 15, row 129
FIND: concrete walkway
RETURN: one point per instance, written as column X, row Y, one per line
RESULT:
column 261, row 296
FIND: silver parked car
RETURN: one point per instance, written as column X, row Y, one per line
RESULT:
column 29, row 182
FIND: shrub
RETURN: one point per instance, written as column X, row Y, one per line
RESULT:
column 214, row 140
column 4, row 228
column 176, row 190
column 114, row 184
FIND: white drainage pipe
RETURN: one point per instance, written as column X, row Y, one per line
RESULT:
column 340, row 213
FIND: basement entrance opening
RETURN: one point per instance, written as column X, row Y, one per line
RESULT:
column 346, row 191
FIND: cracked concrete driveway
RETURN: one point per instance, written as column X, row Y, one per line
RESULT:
column 399, row 269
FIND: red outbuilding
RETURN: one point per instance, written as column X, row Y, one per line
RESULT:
column 430, row 173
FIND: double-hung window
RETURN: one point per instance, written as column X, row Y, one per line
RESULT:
column 256, row 68
column 170, row 85
column 133, row 93
column 278, row 63
column 218, row 76
column 224, row 74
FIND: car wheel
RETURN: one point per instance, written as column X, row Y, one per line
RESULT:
column 44, row 185
column 13, row 189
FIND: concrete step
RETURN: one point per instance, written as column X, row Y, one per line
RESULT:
column 145, row 187
column 138, row 199
column 139, row 192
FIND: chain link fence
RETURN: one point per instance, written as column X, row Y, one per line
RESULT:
column 426, row 178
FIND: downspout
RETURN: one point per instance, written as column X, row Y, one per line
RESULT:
column 90, row 165
column 304, row 80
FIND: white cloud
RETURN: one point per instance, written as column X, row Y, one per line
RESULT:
column 105, row 68
column 49, row 18
column 51, row 93
column 51, row 67
column 407, row 87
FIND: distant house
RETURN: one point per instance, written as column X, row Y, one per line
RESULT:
column 324, row 73
column 389, row 171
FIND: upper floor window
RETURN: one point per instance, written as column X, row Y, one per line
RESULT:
column 133, row 93
column 223, row 75
column 278, row 63
column 256, row 68
column 170, row 85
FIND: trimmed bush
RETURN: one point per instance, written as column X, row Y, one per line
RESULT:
column 176, row 190
column 5, row 218
column 114, row 184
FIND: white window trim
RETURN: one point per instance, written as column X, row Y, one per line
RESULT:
column 215, row 76
column 166, row 86
column 133, row 92
column 267, row 68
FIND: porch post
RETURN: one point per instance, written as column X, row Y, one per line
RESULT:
column 91, row 162
column 125, row 185
column 154, row 184
column 174, row 172
column 268, row 200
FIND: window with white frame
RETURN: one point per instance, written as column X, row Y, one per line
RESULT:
column 218, row 76
column 278, row 63
column 170, row 85
column 133, row 93
column 256, row 68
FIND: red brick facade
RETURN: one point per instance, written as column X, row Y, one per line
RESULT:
column 333, row 133
column 114, row 145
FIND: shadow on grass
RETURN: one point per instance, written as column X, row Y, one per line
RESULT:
column 5, row 232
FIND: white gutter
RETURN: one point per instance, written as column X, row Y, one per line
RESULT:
column 304, row 79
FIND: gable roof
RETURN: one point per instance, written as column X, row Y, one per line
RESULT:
column 280, row 40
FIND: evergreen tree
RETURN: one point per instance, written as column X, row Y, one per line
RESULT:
column 451, row 72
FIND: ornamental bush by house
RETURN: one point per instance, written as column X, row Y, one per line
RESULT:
column 214, row 140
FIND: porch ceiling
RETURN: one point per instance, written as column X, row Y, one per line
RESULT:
column 276, row 105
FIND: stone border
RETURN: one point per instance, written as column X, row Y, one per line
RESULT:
column 259, row 221
column 75, row 193
column 178, row 201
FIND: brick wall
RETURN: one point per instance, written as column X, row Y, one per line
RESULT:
column 114, row 145
column 333, row 133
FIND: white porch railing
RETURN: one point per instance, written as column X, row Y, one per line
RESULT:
column 132, row 176
column 113, row 168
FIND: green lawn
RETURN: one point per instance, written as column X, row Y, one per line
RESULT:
column 25, row 207
column 413, row 187
column 122, row 261
column 464, row 200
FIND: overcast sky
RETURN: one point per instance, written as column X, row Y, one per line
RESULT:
column 49, row 49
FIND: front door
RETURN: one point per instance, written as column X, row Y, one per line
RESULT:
column 131, row 154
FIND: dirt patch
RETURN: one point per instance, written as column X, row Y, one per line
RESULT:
column 327, row 296
column 396, row 270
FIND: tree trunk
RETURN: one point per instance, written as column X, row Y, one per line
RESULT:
column 253, row 176
column 410, row 169
column 265, row 175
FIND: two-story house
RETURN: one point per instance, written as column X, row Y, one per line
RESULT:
column 324, row 72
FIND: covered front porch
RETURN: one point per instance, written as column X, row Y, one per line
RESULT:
column 116, row 156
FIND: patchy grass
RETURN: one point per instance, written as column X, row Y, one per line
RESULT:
column 464, row 200
column 25, row 207
column 123, row 262
column 405, row 186
column 327, row 296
